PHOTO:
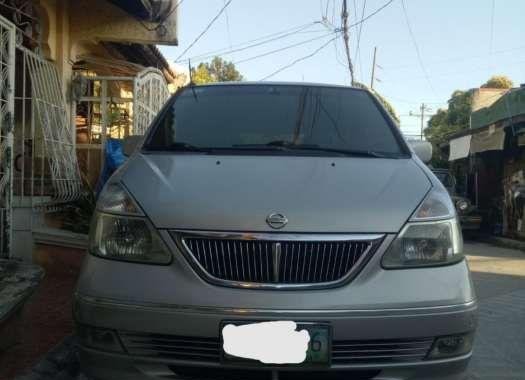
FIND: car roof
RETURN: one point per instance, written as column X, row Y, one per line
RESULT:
column 298, row 84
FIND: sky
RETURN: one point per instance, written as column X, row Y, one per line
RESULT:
column 461, row 43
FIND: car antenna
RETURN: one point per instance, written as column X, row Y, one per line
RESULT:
column 192, row 84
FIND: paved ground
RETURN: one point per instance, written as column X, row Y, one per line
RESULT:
column 499, row 278
column 47, row 318
column 499, row 353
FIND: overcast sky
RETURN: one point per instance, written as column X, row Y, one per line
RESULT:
column 461, row 44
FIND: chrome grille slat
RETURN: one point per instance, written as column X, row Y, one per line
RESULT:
column 323, row 257
column 383, row 351
column 201, row 349
column 278, row 262
column 394, row 350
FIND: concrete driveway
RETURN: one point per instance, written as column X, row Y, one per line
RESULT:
column 499, row 278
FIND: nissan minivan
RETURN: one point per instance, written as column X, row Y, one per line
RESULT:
column 275, row 231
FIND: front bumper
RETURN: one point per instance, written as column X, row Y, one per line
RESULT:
column 470, row 222
column 204, row 322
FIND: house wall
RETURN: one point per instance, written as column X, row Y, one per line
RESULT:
column 72, row 28
column 101, row 20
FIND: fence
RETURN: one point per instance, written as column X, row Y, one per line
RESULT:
column 7, row 67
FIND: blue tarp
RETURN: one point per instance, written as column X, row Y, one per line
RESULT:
column 113, row 158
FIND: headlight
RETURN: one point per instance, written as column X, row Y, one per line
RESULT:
column 425, row 240
column 120, row 231
column 462, row 205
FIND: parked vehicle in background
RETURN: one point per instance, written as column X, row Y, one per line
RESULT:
column 251, row 210
column 469, row 216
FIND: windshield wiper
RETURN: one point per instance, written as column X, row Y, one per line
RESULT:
column 288, row 145
column 275, row 145
column 180, row 147
column 352, row 152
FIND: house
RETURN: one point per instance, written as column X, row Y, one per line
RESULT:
column 491, row 155
column 74, row 73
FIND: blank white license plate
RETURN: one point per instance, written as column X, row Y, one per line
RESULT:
column 276, row 342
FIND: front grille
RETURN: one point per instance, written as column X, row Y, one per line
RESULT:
column 200, row 373
column 171, row 346
column 380, row 351
column 208, row 350
column 270, row 261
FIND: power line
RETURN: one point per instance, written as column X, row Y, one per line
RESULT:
column 205, row 29
column 222, row 51
column 422, row 115
column 333, row 11
column 337, row 57
column 357, row 56
column 418, row 53
column 355, row 9
column 372, row 14
column 299, row 59
column 411, row 101
column 491, row 43
column 228, row 32
column 455, row 59
column 469, row 70
column 285, row 48
column 256, row 42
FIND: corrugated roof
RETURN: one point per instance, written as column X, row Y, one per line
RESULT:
column 145, row 55
column 510, row 105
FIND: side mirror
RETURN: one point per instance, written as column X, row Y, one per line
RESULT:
column 422, row 149
column 130, row 144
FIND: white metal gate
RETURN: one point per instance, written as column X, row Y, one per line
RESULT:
column 7, row 73
column 150, row 94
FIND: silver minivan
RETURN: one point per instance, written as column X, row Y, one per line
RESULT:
column 275, row 231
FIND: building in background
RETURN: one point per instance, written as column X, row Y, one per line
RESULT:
column 74, row 73
column 491, row 157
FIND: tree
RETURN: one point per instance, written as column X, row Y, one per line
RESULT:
column 457, row 115
column 448, row 121
column 498, row 81
column 389, row 108
column 218, row 70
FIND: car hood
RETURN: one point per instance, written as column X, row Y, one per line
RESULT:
column 237, row 193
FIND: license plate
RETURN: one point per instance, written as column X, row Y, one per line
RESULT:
column 318, row 348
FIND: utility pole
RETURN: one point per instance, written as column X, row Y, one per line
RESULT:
column 346, row 38
column 422, row 109
column 373, row 69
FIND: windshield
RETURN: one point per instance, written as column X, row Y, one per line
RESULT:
column 275, row 118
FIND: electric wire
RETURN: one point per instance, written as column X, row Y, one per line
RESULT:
column 357, row 55
column 254, row 42
column 416, row 47
column 287, row 66
column 284, row 48
column 491, row 41
column 228, row 31
column 205, row 30
column 372, row 14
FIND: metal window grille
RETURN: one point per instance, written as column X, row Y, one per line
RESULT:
column 104, row 109
column 45, row 164
column 7, row 58
column 109, row 106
